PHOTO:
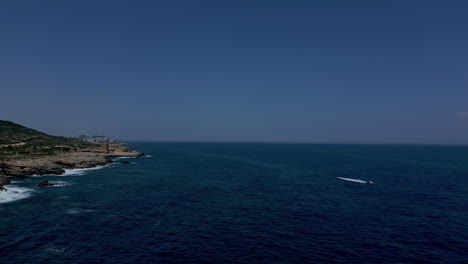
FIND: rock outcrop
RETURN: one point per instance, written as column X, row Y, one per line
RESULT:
column 4, row 181
column 25, row 152
column 45, row 184
column 13, row 170
column 56, row 164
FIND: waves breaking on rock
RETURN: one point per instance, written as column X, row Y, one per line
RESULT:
column 59, row 184
column 78, row 172
column 14, row 193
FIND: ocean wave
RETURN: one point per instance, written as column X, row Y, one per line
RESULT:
column 14, row 193
column 71, row 172
column 355, row 180
column 78, row 211
column 124, row 157
column 77, row 172
column 148, row 156
column 59, row 183
column 54, row 249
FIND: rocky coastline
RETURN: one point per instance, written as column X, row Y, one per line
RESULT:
column 68, row 158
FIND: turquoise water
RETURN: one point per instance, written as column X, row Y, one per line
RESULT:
column 247, row 203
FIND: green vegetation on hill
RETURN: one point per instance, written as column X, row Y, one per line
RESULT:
column 17, row 141
column 11, row 133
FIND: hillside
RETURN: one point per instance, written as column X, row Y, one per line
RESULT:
column 17, row 141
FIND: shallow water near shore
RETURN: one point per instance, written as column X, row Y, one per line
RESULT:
column 247, row 203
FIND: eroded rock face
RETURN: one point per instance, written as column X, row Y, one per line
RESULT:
column 55, row 164
column 4, row 181
column 65, row 164
column 48, row 170
column 117, row 154
column 24, row 171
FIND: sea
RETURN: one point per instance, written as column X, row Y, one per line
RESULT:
column 246, row 203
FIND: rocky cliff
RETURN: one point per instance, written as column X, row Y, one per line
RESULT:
column 26, row 152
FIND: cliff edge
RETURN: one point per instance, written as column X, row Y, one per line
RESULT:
column 25, row 152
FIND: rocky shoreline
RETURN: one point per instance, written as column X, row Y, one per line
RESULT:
column 67, row 159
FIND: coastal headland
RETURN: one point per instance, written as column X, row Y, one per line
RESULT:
column 26, row 152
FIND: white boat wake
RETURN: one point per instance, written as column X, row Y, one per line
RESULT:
column 355, row 180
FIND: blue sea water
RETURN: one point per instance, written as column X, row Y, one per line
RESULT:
column 247, row 203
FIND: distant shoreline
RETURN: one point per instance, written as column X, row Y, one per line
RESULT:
column 27, row 152
column 56, row 164
column 303, row 143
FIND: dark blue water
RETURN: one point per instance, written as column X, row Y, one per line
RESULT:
column 249, row 203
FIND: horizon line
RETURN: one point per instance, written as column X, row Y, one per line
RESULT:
column 295, row 142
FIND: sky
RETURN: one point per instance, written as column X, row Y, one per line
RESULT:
column 392, row 72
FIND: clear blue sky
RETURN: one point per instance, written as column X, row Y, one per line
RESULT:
column 286, row 71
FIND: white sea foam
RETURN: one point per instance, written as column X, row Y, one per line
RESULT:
column 148, row 156
column 59, row 183
column 355, row 180
column 78, row 211
column 44, row 175
column 123, row 157
column 57, row 250
column 72, row 172
column 14, row 193
column 77, row 172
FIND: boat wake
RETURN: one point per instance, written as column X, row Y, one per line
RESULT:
column 355, row 180
column 14, row 193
